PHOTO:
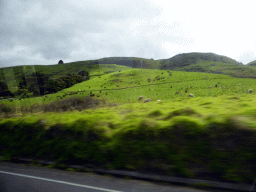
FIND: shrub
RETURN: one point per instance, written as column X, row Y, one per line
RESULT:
column 182, row 112
column 7, row 110
column 72, row 103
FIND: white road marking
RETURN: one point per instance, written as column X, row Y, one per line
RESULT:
column 63, row 182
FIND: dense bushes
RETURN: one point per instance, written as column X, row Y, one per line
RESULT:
column 69, row 104
column 224, row 150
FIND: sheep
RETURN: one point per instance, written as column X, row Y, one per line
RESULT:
column 158, row 100
column 250, row 91
column 191, row 95
column 210, row 87
column 147, row 100
column 140, row 98
column 239, row 84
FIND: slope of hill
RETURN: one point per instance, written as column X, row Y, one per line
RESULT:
column 243, row 71
column 133, row 62
column 252, row 63
column 13, row 75
column 209, row 63
column 186, row 59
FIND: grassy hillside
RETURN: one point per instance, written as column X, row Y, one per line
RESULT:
column 101, row 122
column 133, row 62
column 242, row 71
column 12, row 75
column 191, row 62
column 252, row 63
column 127, row 85
column 209, row 63
column 186, row 59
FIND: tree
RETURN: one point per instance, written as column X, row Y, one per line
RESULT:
column 3, row 86
column 35, row 82
column 61, row 62
column 4, row 92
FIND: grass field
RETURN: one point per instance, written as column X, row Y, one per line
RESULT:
column 127, row 85
column 178, row 135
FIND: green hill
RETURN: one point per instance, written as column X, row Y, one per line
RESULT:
column 13, row 75
column 189, row 62
column 133, row 62
column 187, row 59
column 208, row 63
column 252, row 63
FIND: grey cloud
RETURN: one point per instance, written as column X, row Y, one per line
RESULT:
column 51, row 30
column 51, row 39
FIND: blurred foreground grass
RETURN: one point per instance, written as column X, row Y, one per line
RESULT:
column 211, row 137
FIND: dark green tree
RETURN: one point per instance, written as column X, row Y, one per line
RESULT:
column 3, row 86
column 4, row 92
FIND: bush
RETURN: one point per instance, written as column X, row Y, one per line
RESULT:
column 6, row 109
column 72, row 103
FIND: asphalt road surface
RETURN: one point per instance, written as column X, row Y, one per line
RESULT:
column 27, row 178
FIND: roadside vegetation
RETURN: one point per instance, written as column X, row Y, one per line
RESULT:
column 102, row 123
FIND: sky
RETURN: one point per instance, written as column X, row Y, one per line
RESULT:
column 42, row 32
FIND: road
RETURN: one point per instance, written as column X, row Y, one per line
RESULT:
column 27, row 178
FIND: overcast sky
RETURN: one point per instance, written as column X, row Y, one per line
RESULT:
column 42, row 32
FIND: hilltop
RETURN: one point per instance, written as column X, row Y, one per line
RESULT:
column 186, row 59
column 134, row 62
column 208, row 63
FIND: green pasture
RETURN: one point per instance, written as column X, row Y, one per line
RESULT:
column 178, row 135
column 127, row 85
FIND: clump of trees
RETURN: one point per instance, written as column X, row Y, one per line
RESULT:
column 38, row 83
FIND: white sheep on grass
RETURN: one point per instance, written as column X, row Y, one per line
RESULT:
column 191, row 95
column 250, row 91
